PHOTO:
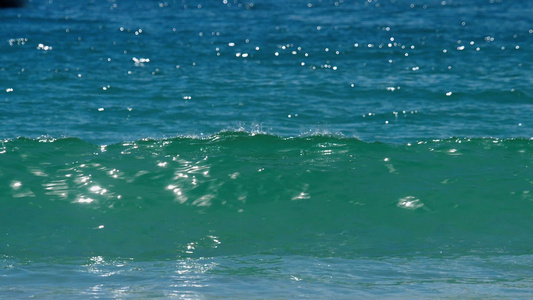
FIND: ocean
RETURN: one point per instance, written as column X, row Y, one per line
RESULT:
column 266, row 149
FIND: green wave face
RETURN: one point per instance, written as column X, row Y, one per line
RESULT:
column 237, row 193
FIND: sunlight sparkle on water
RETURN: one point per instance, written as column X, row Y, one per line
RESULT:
column 409, row 202
column 85, row 200
column 16, row 185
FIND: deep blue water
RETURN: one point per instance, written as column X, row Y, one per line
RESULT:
column 385, row 71
column 267, row 149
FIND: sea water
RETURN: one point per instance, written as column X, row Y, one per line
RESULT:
column 267, row 149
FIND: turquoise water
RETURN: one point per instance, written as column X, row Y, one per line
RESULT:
column 269, row 149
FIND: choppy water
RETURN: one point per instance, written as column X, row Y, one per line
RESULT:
column 269, row 149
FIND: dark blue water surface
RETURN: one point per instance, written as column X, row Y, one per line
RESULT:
column 108, row 71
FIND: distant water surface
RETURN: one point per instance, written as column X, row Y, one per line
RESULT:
column 109, row 71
